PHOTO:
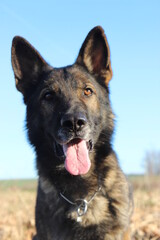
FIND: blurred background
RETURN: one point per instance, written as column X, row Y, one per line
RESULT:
column 57, row 29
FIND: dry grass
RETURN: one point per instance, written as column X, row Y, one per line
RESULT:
column 146, row 218
column 17, row 200
column 17, row 210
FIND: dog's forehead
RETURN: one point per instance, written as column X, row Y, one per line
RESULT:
column 71, row 76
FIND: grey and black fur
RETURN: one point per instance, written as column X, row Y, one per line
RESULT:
column 68, row 104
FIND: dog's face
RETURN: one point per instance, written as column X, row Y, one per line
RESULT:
column 66, row 106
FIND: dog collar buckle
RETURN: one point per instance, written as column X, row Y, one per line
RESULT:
column 82, row 207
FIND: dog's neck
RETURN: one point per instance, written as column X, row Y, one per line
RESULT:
column 81, row 205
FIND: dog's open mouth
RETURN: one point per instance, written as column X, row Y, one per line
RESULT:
column 77, row 160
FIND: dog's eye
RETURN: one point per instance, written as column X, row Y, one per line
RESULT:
column 48, row 96
column 88, row 92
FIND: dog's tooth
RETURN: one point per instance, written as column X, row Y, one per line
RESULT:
column 65, row 149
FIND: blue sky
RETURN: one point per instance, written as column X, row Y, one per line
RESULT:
column 57, row 30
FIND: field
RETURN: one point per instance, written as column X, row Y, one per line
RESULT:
column 17, row 199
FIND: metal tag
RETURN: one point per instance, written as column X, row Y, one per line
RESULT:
column 82, row 208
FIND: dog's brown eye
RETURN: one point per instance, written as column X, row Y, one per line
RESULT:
column 88, row 92
column 48, row 96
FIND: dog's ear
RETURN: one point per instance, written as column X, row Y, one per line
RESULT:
column 95, row 55
column 27, row 63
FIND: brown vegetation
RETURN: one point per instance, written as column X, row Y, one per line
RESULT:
column 17, row 210
column 18, row 202
column 146, row 218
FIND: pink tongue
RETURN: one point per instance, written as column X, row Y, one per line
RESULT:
column 77, row 160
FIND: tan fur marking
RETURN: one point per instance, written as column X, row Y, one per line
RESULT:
column 109, row 181
column 127, row 235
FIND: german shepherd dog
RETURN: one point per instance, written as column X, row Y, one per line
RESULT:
column 82, row 192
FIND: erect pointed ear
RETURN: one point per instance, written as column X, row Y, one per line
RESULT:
column 95, row 55
column 27, row 65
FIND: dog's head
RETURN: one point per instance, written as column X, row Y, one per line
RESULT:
column 68, row 108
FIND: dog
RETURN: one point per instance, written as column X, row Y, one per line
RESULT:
column 82, row 192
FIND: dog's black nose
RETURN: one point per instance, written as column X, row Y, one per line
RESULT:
column 74, row 121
